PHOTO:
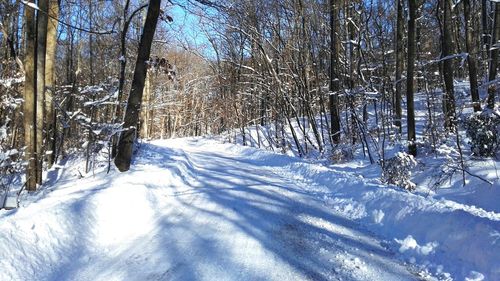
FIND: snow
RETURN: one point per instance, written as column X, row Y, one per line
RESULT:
column 378, row 216
column 10, row 202
column 5, row 155
column 409, row 243
column 188, row 210
column 30, row 4
column 474, row 276
column 7, row 83
column 199, row 209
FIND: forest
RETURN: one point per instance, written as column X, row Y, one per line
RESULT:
column 399, row 93
column 343, row 75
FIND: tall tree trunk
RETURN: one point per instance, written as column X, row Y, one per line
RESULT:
column 123, row 64
column 117, row 115
column 399, row 64
column 484, row 24
column 127, row 138
column 334, row 76
column 10, row 39
column 145, row 111
column 492, row 73
column 412, row 146
column 471, row 58
column 89, row 163
column 349, row 29
column 50, row 57
column 30, row 99
column 42, row 21
column 447, row 50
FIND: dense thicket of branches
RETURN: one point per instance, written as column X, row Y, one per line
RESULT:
column 280, row 61
column 328, row 73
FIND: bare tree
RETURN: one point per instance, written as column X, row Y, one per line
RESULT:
column 399, row 63
column 493, row 67
column 446, row 52
column 50, row 62
column 42, row 21
column 471, row 57
column 334, row 76
column 128, row 136
column 30, row 100
column 410, row 111
column 118, row 111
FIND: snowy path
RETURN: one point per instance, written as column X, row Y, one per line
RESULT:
column 189, row 210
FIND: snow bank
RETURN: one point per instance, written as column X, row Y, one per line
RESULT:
column 92, row 228
column 441, row 236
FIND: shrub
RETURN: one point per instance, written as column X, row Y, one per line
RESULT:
column 482, row 129
column 397, row 170
column 341, row 154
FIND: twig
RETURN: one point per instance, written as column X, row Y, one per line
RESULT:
column 27, row 4
column 473, row 175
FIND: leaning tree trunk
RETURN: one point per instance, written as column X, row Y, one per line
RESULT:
column 410, row 111
column 127, row 138
column 50, row 57
column 30, row 99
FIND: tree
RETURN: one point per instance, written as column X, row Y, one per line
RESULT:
column 334, row 77
column 123, row 64
column 128, row 136
column 471, row 57
column 399, row 63
column 42, row 21
column 446, row 51
column 484, row 24
column 492, row 72
column 50, row 61
column 410, row 111
column 30, row 91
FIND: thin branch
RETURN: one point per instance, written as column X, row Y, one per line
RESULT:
column 28, row 4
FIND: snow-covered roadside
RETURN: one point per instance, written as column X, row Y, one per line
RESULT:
column 189, row 209
column 445, row 228
column 199, row 209
column 440, row 235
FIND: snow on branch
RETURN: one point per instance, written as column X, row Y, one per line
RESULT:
column 463, row 56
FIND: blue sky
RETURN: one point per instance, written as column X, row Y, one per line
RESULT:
column 187, row 27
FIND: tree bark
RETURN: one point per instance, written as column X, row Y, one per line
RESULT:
column 30, row 99
column 492, row 73
column 410, row 111
column 42, row 22
column 471, row 58
column 334, row 76
column 447, row 50
column 117, row 117
column 50, row 57
column 145, row 112
column 399, row 64
column 127, row 138
column 484, row 24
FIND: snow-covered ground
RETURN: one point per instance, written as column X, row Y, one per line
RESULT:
column 196, row 209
